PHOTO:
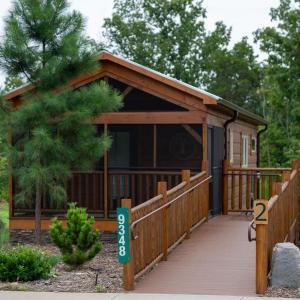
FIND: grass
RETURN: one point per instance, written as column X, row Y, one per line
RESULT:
column 4, row 234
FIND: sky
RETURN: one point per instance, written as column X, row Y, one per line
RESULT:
column 243, row 15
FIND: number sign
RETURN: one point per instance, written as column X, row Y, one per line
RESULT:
column 123, row 235
column 261, row 212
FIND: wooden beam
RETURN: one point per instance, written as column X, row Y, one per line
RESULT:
column 10, row 183
column 153, row 87
column 127, row 91
column 154, row 146
column 149, row 74
column 181, row 117
column 105, row 170
column 204, row 166
column 193, row 133
column 27, row 223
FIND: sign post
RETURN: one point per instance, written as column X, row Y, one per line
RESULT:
column 123, row 235
column 125, row 246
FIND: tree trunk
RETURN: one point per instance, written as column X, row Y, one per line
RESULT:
column 38, row 215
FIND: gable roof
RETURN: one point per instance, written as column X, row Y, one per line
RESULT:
column 206, row 97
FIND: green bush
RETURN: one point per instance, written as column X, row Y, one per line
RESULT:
column 24, row 263
column 4, row 234
column 78, row 241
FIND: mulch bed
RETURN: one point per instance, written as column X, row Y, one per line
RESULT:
column 80, row 279
column 282, row 292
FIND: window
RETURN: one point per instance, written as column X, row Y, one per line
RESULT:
column 231, row 146
column 253, row 144
column 245, row 151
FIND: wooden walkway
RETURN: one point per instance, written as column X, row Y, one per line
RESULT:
column 217, row 259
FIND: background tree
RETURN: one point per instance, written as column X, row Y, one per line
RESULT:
column 170, row 37
column 281, row 83
column 12, row 82
column 44, row 44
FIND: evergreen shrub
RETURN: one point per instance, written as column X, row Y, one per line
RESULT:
column 24, row 263
column 78, row 240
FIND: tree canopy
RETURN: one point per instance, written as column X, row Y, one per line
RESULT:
column 281, row 86
column 171, row 37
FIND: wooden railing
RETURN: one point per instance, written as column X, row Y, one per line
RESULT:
column 138, row 185
column 161, row 223
column 282, row 224
column 86, row 188
column 241, row 186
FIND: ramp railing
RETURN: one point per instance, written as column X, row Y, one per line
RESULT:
column 241, row 186
column 158, row 225
column 279, row 223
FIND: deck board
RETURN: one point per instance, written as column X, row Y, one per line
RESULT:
column 217, row 259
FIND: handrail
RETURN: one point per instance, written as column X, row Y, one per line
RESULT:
column 251, row 226
column 260, row 169
column 251, row 174
column 150, row 201
column 133, row 225
column 176, row 188
column 195, row 177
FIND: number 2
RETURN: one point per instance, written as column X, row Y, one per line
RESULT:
column 258, row 217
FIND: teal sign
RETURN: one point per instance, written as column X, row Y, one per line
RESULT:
column 123, row 235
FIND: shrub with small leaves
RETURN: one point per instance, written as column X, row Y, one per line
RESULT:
column 24, row 263
column 78, row 240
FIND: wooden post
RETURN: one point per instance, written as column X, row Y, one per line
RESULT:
column 162, row 189
column 225, row 187
column 186, row 175
column 154, row 146
column 276, row 188
column 105, row 180
column 128, row 268
column 204, row 166
column 295, row 164
column 10, row 180
column 261, row 258
column 285, row 176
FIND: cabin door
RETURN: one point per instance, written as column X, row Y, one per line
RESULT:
column 216, row 145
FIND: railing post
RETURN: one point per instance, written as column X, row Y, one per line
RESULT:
column 261, row 258
column 285, row 176
column 128, row 268
column 186, row 175
column 162, row 189
column 204, row 165
column 296, row 166
column 225, row 186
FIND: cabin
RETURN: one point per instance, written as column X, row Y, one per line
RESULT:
column 164, row 127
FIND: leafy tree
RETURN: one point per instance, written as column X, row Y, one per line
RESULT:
column 52, row 135
column 78, row 241
column 235, row 74
column 170, row 37
column 281, row 84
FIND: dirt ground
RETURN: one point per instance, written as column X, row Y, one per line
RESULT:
column 81, row 279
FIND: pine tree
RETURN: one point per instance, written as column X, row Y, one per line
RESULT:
column 44, row 45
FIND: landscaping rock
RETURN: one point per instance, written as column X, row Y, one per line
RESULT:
column 285, row 268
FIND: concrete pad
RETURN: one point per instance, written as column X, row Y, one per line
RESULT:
column 13, row 295
column 174, row 297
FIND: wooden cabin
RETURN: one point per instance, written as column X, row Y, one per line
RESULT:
column 165, row 126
